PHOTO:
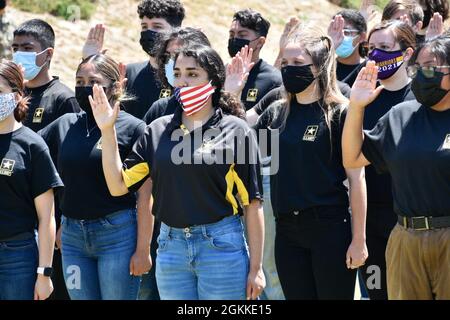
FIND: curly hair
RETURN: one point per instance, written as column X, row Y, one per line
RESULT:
column 253, row 20
column 170, row 10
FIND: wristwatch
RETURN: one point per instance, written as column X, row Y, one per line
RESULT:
column 45, row 271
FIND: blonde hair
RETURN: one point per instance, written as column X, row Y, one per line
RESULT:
column 318, row 45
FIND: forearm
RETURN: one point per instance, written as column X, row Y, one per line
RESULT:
column 47, row 228
column 112, row 164
column 145, row 219
column 352, row 138
column 254, row 220
column 358, row 203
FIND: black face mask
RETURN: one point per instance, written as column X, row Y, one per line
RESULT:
column 148, row 40
column 235, row 45
column 420, row 38
column 82, row 95
column 297, row 78
column 428, row 92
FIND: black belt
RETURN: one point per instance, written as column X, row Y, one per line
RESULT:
column 424, row 223
column 19, row 237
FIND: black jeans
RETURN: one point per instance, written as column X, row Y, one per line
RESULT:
column 380, row 222
column 310, row 253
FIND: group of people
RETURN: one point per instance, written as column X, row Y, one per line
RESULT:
column 185, row 178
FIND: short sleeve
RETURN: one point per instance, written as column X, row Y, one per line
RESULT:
column 43, row 174
column 247, row 172
column 267, row 100
column 374, row 141
column 136, row 167
column 69, row 105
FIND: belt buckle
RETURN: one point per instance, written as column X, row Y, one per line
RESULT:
column 426, row 225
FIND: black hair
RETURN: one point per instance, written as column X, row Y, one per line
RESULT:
column 439, row 47
column 40, row 30
column 355, row 18
column 253, row 20
column 170, row 10
column 430, row 7
column 2, row 4
column 186, row 37
column 209, row 60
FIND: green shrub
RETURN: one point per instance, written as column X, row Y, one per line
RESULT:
column 68, row 9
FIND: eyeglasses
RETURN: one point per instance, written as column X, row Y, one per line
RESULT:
column 351, row 32
column 429, row 71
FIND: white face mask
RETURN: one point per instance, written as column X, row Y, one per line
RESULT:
column 28, row 61
column 7, row 105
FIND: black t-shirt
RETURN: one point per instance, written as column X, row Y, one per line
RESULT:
column 379, row 188
column 348, row 73
column 276, row 94
column 202, row 188
column 310, row 171
column 412, row 143
column 26, row 172
column 79, row 162
column 262, row 78
column 162, row 107
column 48, row 103
column 144, row 88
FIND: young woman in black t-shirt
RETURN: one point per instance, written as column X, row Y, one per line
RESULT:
column 105, row 244
column 27, row 180
column 391, row 45
column 202, row 251
column 316, row 248
column 411, row 143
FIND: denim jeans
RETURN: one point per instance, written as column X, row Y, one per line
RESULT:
column 18, row 264
column 206, row 262
column 96, row 257
column 273, row 290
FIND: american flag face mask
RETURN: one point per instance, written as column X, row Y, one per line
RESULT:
column 194, row 99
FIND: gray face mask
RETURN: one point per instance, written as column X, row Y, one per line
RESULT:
column 7, row 105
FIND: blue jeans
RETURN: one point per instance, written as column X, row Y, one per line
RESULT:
column 207, row 262
column 273, row 290
column 18, row 263
column 96, row 257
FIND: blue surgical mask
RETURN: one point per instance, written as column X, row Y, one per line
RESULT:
column 28, row 61
column 346, row 48
column 170, row 74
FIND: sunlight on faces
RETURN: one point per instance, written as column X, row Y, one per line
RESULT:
column 88, row 76
column 155, row 24
column 383, row 39
column 29, row 44
column 426, row 59
column 238, row 31
column 188, row 73
column 295, row 55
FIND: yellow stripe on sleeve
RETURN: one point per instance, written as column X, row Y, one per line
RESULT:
column 135, row 174
column 230, row 184
column 242, row 190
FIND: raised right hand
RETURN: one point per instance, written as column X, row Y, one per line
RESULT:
column 94, row 41
column 336, row 30
column 104, row 114
column 365, row 90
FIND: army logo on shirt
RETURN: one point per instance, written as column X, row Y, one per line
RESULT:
column 38, row 115
column 311, row 133
column 99, row 144
column 165, row 93
column 446, row 145
column 252, row 94
column 7, row 167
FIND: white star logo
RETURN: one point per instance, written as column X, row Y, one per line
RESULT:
column 311, row 131
column 7, row 165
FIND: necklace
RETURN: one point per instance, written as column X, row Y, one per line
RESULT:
column 88, row 132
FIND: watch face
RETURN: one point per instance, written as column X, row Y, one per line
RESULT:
column 48, row 272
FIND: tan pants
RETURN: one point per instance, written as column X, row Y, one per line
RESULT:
column 418, row 264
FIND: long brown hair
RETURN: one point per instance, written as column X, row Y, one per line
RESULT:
column 13, row 75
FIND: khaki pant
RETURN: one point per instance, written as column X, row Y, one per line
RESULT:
column 418, row 264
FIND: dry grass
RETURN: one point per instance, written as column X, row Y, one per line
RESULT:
column 213, row 16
